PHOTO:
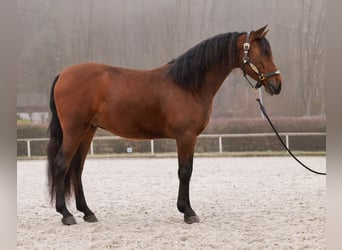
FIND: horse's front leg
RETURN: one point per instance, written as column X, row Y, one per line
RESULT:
column 185, row 147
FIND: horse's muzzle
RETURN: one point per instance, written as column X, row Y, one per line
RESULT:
column 273, row 86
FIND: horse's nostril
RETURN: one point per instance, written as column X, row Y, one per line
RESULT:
column 279, row 87
column 274, row 86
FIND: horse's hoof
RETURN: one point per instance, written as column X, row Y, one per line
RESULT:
column 90, row 218
column 70, row 220
column 192, row 219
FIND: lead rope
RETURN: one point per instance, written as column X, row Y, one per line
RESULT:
column 263, row 110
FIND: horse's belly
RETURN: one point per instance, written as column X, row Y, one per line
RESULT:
column 135, row 125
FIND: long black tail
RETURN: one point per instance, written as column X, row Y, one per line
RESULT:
column 56, row 137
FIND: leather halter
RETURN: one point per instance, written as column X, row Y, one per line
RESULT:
column 247, row 61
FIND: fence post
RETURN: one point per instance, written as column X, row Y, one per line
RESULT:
column 220, row 144
column 28, row 148
column 91, row 148
column 152, row 147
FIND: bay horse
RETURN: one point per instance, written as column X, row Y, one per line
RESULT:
column 172, row 101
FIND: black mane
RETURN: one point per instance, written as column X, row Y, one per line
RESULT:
column 189, row 69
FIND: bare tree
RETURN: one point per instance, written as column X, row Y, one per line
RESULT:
column 311, row 55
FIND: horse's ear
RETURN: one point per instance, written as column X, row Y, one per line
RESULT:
column 264, row 33
column 259, row 33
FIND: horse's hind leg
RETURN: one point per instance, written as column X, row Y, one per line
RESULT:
column 77, row 169
column 63, row 175
column 61, row 188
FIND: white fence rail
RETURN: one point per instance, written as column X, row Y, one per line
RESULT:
column 218, row 136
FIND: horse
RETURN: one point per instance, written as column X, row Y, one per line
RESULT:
column 172, row 101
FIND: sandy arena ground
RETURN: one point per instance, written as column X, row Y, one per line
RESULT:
column 243, row 203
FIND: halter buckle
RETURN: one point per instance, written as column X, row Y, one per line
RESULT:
column 262, row 77
column 245, row 59
column 246, row 46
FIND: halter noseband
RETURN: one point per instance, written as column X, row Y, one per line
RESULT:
column 246, row 60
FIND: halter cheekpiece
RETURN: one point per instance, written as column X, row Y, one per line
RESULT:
column 247, row 61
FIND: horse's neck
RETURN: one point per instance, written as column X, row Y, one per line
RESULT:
column 213, row 82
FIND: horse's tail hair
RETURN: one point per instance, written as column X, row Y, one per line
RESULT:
column 55, row 142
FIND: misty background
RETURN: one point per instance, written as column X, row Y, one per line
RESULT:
column 145, row 34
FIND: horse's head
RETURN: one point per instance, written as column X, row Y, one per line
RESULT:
column 257, row 62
